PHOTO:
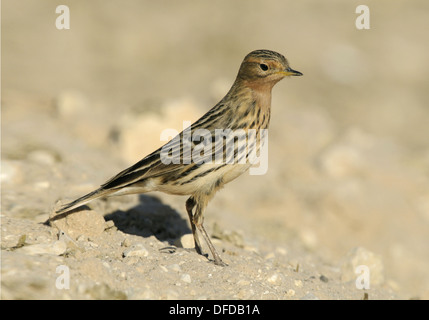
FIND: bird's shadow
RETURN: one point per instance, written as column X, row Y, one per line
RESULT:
column 150, row 217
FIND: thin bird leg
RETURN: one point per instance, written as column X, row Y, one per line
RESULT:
column 198, row 221
column 217, row 260
column 190, row 204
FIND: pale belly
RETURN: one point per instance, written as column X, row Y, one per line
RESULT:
column 206, row 183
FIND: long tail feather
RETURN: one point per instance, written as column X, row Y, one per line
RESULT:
column 85, row 199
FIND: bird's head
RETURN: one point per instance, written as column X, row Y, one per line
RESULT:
column 264, row 67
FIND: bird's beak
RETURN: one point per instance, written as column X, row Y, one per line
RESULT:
column 290, row 72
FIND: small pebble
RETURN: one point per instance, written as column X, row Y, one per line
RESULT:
column 109, row 224
column 174, row 267
column 126, row 242
column 298, row 283
column 273, row 278
column 137, row 250
column 81, row 238
column 92, row 244
column 185, row 278
column 186, row 241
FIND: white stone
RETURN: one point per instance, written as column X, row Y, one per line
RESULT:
column 185, row 278
column 137, row 250
column 186, row 241
column 273, row 278
column 55, row 248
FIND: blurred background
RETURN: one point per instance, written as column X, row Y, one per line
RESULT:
column 349, row 141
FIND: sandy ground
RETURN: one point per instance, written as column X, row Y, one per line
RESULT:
column 348, row 177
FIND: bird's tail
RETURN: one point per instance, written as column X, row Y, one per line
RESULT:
column 101, row 192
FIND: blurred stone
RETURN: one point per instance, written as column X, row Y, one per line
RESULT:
column 10, row 171
column 71, row 103
column 42, row 185
column 42, row 156
column 163, row 268
column 362, row 257
column 273, row 278
column 298, row 283
column 282, row 251
column 309, row 238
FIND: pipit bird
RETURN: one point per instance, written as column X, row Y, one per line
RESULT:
column 246, row 106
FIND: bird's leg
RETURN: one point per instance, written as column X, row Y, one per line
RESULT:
column 198, row 222
column 190, row 204
column 217, row 260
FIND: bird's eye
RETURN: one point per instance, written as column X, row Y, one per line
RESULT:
column 263, row 66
